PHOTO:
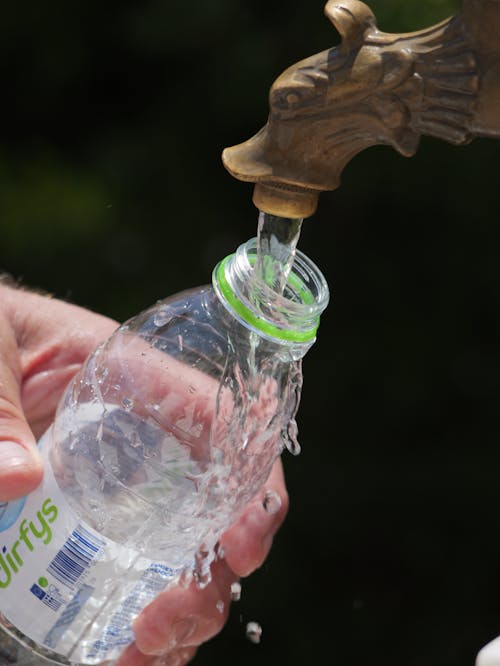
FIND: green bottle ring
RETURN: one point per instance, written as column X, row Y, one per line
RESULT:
column 253, row 320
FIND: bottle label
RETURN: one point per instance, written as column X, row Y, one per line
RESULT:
column 64, row 585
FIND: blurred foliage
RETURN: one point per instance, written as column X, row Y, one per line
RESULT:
column 112, row 194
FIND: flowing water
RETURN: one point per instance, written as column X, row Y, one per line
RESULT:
column 277, row 240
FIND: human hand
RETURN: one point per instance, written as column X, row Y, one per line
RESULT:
column 43, row 343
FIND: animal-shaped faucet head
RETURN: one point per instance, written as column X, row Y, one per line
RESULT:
column 373, row 88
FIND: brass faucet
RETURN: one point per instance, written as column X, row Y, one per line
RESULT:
column 374, row 88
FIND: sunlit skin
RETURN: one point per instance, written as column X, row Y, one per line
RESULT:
column 43, row 343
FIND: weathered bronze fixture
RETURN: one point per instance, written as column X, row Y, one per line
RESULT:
column 374, row 88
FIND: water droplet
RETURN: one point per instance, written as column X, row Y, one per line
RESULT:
column 201, row 571
column 180, row 342
column 161, row 318
column 272, row 502
column 254, row 632
column 128, row 404
column 293, row 447
column 202, row 579
column 185, row 577
column 101, row 374
column 236, row 591
column 220, row 606
column 290, row 438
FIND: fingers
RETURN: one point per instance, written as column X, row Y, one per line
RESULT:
column 20, row 462
column 54, row 340
column 247, row 544
column 185, row 617
column 42, row 344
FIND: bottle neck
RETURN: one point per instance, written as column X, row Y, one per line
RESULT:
column 290, row 318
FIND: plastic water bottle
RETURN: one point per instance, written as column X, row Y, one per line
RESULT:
column 159, row 442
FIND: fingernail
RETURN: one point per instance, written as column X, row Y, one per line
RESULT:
column 183, row 629
column 13, row 456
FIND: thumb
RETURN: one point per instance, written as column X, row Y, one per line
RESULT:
column 20, row 462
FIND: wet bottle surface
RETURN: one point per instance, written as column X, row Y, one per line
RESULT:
column 159, row 442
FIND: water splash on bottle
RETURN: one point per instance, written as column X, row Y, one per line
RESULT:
column 162, row 317
column 272, row 502
column 290, row 438
column 202, row 572
column 101, row 374
column 290, row 435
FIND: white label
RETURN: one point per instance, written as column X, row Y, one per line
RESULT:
column 65, row 586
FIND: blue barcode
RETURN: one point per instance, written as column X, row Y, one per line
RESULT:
column 52, row 602
column 75, row 557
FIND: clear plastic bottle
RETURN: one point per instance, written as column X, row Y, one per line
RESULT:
column 159, row 442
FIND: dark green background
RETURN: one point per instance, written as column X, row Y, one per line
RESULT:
column 112, row 195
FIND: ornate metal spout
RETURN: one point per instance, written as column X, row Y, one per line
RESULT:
column 374, row 88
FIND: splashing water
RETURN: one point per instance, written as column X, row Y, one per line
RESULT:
column 271, row 502
column 290, row 437
column 254, row 632
column 162, row 318
column 138, row 479
column 202, row 572
column 276, row 248
column 236, row 591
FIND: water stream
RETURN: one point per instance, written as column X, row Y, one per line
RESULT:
column 277, row 239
